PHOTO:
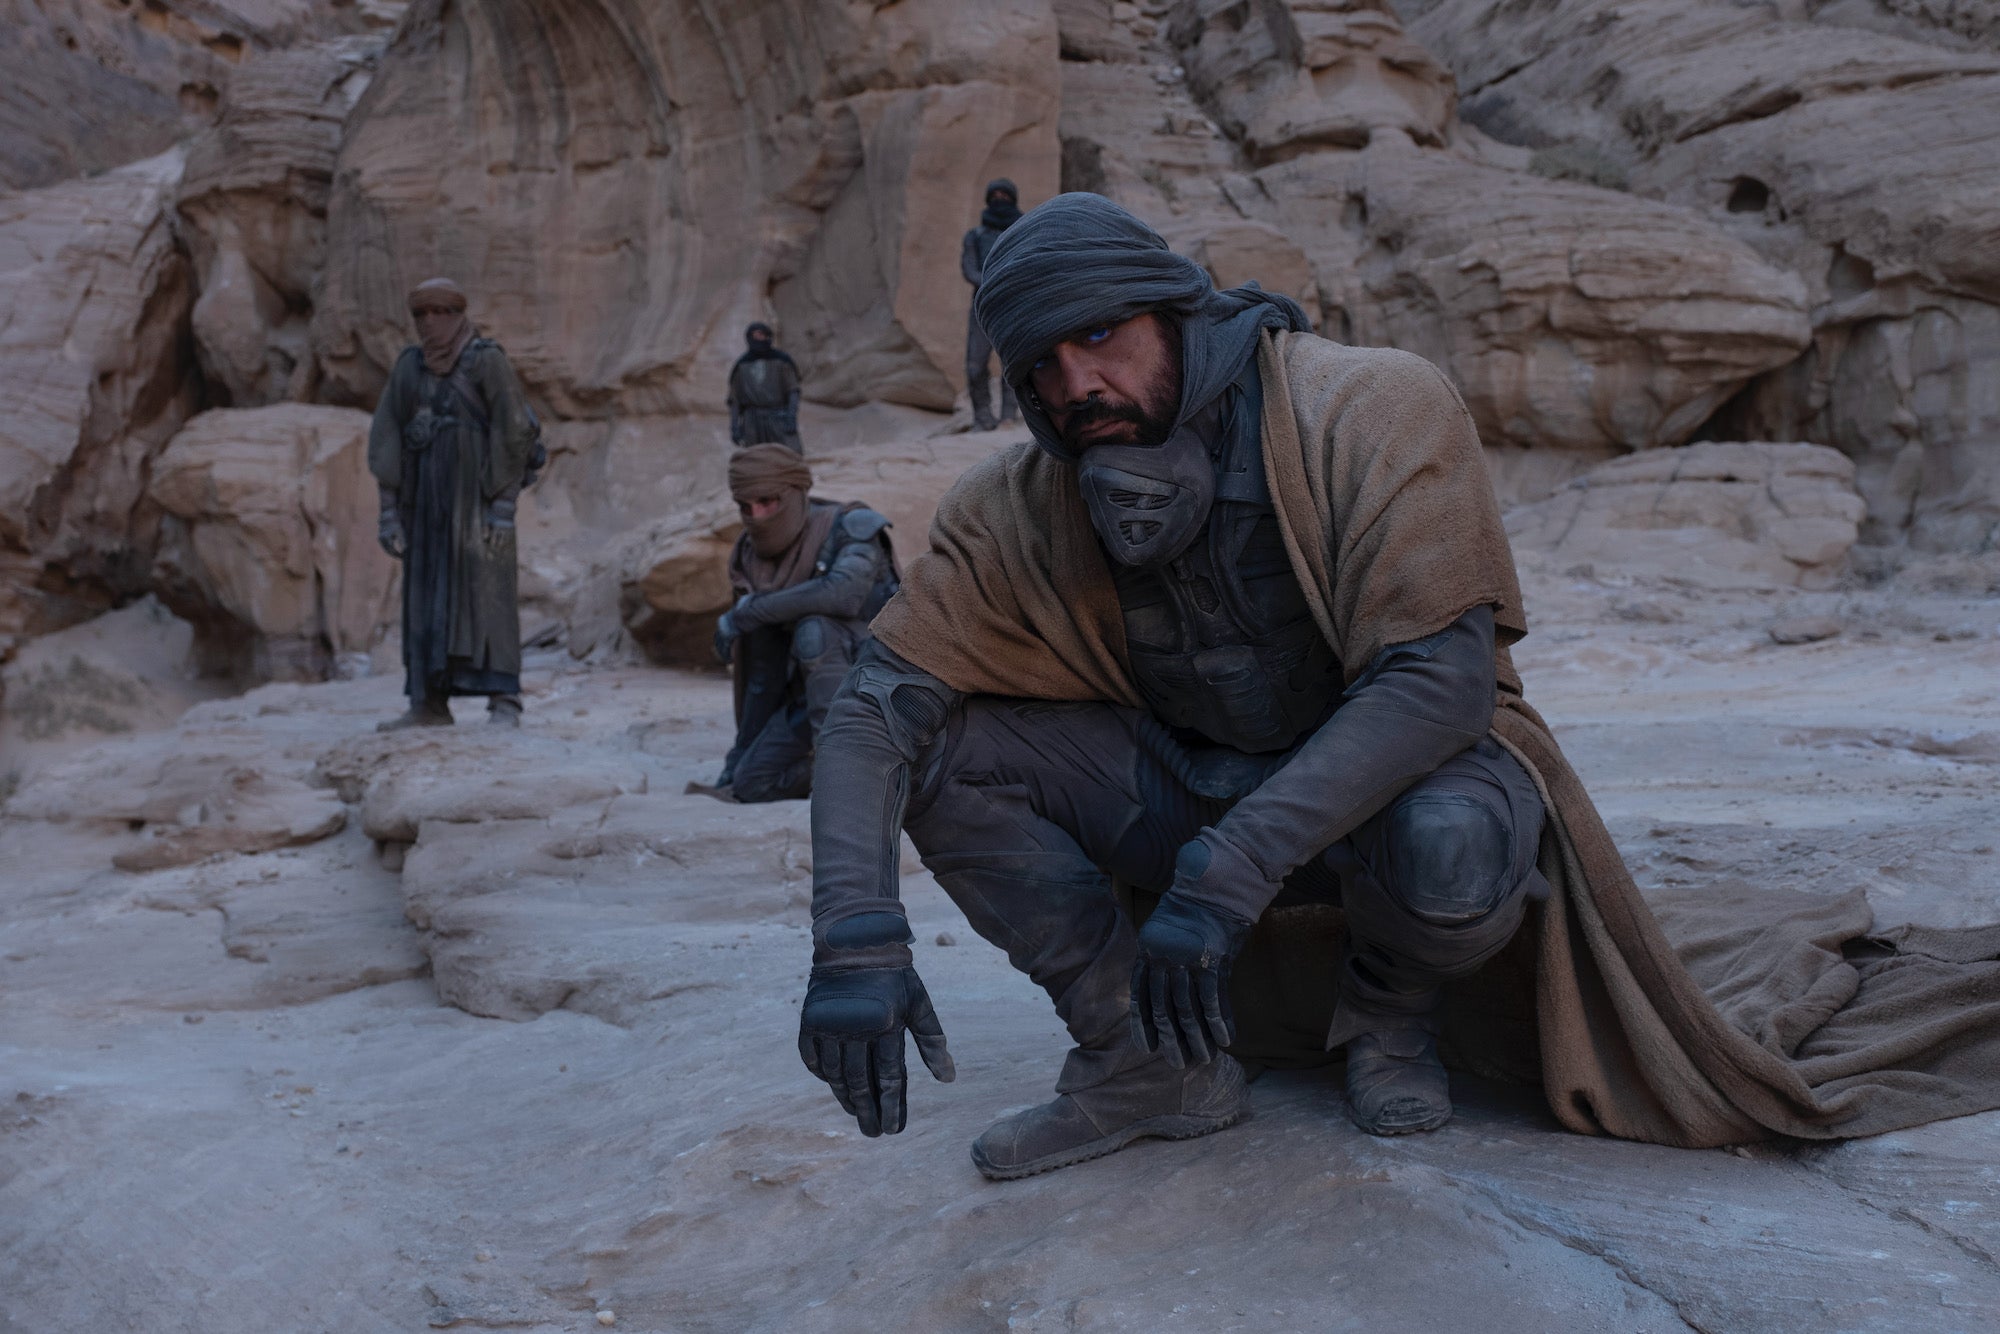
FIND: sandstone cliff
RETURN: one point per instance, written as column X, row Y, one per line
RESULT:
column 1617, row 227
column 1849, row 143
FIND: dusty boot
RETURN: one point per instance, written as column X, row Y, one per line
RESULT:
column 1152, row 1100
column 1396, row 1085
column 504, row 711
column 428, row 713
column 982, row 403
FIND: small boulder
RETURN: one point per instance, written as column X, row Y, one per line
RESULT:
column 1803, row 629
column 1713, row 515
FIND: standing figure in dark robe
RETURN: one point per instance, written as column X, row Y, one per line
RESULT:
column 452, row 446
column 809, row 575
column 1003, row 208
column 764, row 393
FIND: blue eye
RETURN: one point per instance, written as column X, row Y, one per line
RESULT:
column 1097, row 335
column 1041, row 364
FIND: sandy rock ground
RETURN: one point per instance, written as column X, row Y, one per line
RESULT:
column 231, row 1098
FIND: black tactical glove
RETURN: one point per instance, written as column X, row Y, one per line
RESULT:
column 858, row 1004
column 728, row 630
column 389, row 532
column 1180, row 982
column 499, row 516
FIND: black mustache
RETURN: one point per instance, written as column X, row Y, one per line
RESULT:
column 1094, row 411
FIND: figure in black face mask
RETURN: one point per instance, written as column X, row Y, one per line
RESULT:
column 764, row 393
column 1111, row 663
column 1232, row 633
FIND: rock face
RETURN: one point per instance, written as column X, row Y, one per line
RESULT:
column 1616, row 227
column 1846, row 142
column 94, row 377
column 1710, row 515
column 92, row 85
column 631, row 184
column 1571, row 317
column 130, row 670
column 253, row 203
column 269, row 544
column 193, row 792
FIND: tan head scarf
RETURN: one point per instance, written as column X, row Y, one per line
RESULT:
column 442, row 351
column 760, row 470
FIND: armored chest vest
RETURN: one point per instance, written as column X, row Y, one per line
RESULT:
column 1221, row 640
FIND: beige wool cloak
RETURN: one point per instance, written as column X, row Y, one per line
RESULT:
column 1708, row 1018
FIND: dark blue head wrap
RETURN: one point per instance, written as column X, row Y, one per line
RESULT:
column 1079, row 262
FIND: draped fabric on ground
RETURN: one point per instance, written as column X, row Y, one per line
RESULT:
column 1710, row 1017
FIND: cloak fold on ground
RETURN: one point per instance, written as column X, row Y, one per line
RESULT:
column 1708, row 1017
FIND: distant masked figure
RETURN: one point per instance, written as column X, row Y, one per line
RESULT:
column 1003, row 208
column 809, row 575
column 764, row 393
column 452, row 446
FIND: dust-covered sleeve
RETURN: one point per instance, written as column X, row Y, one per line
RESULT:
column 385, row 433
column 510, row 424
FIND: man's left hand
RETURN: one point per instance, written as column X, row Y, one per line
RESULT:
column 729, row 628
column 1180, row 983
column 499, row 517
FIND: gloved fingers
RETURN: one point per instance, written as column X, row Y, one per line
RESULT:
column 1187, row 1018
column 809, row 1054
column 857, row 1076
column 1215, row 1016
column 1143, row 1036
column 891, row 1082
column 928, row 1032
column 828, row 1068
column 1160, row 1013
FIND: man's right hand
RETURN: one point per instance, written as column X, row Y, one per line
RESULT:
column 851, row 1035
column 726, row 635
column 389, row 532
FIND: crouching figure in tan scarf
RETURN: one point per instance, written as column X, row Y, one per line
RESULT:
column 808, row 575
column 1230, row 638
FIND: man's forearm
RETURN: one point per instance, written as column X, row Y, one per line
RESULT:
column 1419, row 705
column 883, row 720
column 842, row 592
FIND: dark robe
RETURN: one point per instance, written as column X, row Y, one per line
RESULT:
column 444, row 448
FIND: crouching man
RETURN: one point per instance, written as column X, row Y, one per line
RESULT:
column 1231, row 627
column 809, row 575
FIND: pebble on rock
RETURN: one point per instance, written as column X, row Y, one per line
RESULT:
column 607, row 1317
column 1803, row 629
column 946, row 938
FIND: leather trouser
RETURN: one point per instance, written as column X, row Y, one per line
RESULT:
column 1024, row 810
column 776, row 764
column 978, row 353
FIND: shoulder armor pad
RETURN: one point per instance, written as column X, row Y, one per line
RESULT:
column 858, row 525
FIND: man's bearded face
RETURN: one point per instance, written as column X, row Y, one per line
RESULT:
column 1118, row 384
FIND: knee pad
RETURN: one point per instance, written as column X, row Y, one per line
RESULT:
column 1450, row 857
column 810, row 639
